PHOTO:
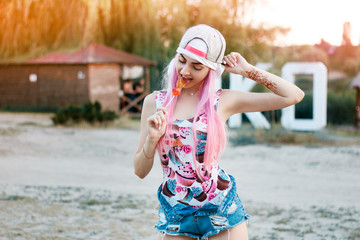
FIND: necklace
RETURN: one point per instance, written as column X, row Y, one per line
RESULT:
column 190, row 93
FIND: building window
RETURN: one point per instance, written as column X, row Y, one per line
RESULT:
column 81, row 75
column 33, row 77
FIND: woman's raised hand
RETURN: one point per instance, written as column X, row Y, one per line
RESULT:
column 235, row 63
column 157, row 124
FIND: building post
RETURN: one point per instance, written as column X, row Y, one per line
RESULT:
column 357, row 108
column 147, row 80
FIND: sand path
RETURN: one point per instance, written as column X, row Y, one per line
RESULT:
column 76, row 183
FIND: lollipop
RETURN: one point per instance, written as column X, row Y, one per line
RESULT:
column 176, row 91
column 179, row 85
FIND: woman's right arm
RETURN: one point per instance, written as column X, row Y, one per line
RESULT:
column 153, row 125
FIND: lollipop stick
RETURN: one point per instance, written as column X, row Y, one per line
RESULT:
column 177, row 91
column 169, row 101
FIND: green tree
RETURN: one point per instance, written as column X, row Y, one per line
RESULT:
column 345, row 57
column 302, row 53
column 149, row 28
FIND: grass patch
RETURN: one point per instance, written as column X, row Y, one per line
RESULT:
column 122, row 122
column 28, row 123
column 283, row 221
column 127, row 205
column 286, row 230
column 345, row 131
column 277, row 135
column 15, row 198
column 275, row 212
column 8, row 131
column 325, row 213
column 97, row 202
column 354, row 234
column 309, row 230
column 128, row 201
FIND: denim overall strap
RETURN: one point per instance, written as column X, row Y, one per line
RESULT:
column 228, row 200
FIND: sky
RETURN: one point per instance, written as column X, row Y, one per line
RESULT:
column 309, row 20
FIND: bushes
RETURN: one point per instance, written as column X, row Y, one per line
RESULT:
column 89, row 112
column 340, row 108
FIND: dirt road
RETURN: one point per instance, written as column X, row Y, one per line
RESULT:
column 78, row 183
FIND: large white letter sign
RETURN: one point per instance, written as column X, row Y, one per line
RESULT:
column 238, row 82
column 319, row 72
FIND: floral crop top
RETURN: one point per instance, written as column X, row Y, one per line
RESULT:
column 180, row 181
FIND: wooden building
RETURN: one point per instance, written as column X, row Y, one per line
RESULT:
column 58, row 79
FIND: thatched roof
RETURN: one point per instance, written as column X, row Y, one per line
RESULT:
column 356, row 82
column 93, row 53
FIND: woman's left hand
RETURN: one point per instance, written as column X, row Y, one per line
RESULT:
column 235, row 63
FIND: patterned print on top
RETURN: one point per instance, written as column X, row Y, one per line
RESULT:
column 180, row 181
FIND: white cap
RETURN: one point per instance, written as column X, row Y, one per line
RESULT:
column 204, row 44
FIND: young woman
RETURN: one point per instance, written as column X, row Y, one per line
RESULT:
column 198, row 199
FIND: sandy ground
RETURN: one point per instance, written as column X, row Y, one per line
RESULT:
column 78, row 183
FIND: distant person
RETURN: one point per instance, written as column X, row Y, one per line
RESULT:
column 139, row 90
column 142, row 82
column 198, row 198
column 130, row 94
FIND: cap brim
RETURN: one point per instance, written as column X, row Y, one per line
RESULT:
column 204, row 61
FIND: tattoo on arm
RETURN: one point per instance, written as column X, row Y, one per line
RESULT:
column 262, row 79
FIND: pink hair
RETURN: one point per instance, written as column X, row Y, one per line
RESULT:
column 216, row 132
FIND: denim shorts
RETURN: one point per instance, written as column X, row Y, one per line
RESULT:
column 204, row 222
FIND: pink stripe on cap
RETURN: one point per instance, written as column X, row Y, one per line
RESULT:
column 196, row 51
